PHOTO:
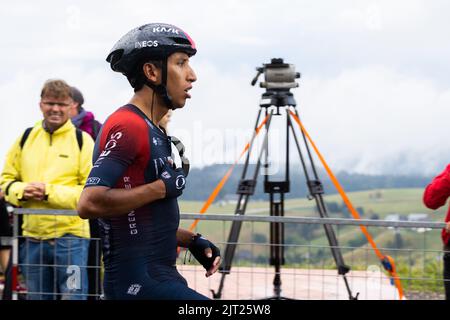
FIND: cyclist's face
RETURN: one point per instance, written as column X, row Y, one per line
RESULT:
column 180, row 77
column 55, row 111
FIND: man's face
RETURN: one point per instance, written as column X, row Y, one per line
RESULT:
column 55, row 111
column 180, row 77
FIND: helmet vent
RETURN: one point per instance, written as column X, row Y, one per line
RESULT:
column 181, row 40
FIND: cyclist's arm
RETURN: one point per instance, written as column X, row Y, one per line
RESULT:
column 184, row 237
column 121, row 142
column 102, row 201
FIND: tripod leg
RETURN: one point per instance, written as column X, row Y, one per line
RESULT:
column 230, row 249
column 331, row 236
column 233, row 237
column 316, row 190
column 276, row 234
column 276, row 248
column 245, row 190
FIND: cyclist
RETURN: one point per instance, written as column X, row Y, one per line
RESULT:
column 133, row 186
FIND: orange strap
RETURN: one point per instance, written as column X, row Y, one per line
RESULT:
column 222, row 182
column 390, row 267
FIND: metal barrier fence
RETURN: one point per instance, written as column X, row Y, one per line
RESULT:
column 55, row 268
column 309, row 271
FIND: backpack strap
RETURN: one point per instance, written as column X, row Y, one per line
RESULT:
column 25, row 136
column 96, row 126
column 79, row 134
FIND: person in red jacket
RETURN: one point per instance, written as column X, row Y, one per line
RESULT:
column 434, row 197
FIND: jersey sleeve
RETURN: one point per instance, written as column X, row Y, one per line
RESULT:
column 116, row 148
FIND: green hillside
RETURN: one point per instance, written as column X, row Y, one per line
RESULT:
column 417, row 254
column 376, row 202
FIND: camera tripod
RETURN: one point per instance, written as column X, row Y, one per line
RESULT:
column 272, row 101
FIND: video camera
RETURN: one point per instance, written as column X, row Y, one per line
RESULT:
column 278, row 75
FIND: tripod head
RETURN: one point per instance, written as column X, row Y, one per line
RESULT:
column 279, row 79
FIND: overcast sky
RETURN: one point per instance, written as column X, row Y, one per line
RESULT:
column 374, row 92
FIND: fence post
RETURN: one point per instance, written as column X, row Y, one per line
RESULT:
column 15, row 257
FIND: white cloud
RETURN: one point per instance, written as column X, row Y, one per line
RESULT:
column 373, row 115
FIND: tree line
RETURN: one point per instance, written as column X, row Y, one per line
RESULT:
column 202, row 181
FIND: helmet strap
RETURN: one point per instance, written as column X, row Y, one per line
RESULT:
column 161, row 89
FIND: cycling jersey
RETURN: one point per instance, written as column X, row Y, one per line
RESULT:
column 139, row 248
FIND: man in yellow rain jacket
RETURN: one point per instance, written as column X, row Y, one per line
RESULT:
column 46, row 168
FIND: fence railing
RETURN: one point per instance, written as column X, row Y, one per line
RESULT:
column 308, row 271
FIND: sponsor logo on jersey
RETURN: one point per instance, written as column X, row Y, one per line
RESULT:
column 132, row 226
column 166, row 175
column 161, row 162
column 111, row 144
column 180, row 182
column 157, row 141
column 92, row 181
column 134, row 289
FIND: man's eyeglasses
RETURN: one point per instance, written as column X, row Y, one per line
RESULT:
column 52, row 103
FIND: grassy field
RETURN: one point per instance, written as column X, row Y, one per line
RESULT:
column 389, row 201
column 402, row 201
column 417, row 254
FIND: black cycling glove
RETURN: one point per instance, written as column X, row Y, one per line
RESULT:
column 173, row 179
column 197, row 249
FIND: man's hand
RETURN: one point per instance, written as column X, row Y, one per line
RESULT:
column 174, row 180
column 34, row 191
column 447, row 227
column 2, row 195
column 206, row 253
column 215, row 265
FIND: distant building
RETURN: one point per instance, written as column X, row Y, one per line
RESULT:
column 393, row 217
column 418, row 217
column 424, row 217
column 229, row 198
